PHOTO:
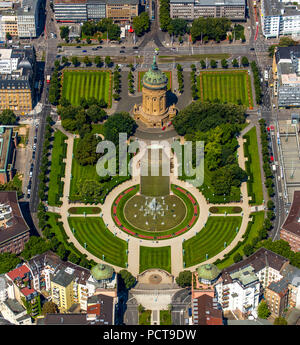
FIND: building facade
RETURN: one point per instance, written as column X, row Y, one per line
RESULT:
column 122, row 11
column 280, row 18
column 29, row 21
column 17, row 74
column 70, row 10
column 290, row 230
column 193, row 9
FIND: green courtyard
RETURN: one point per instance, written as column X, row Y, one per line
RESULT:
column 226, row 86
column 151, row 257
column 87, row 84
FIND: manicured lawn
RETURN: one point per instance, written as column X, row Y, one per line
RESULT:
column 165, row 317
column 57, row 169
column 145, row 317
column 167, row 73
column 254, row 183
column 192, row 57
column 151, row 257
column 210, row 239
column 252, row 230
column 227, row 86
column 86, row 210
column 86, row 84
column 223, row 209
column 99, row 240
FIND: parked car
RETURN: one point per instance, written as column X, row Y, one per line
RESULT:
column 123, row 47
column 164, row 127
column 135, row 48
column 94, row 48
column 122, row 51
column 84, row 51
column 99, row 47
column 33, row 155
column 78, row 46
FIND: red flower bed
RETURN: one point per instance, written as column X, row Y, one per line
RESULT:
column 114, row 209
column 145, row 236
column 129, row 231
column 192, row 221
column 181, row 231
column 117, row 221
column 195, row 209
column 191, row 198
column 164, row 236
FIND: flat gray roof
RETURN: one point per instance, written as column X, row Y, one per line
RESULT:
column 276, row 8
column 212, row 2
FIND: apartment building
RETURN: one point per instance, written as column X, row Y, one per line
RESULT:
column 14, row 312
column 29, row 18
column 206, row 311
column 14, row 231
column 193, row 9
column 8, row 144
column 280, row 18
column 8, row 24
column 23, row 291
column 276, row 295
column 290, row 230
column 122, row 11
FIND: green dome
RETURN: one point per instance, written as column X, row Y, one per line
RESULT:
column 155, row 77
column 208, row 272
column 101, row 272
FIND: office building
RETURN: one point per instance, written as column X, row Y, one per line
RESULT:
column 122, row 11
column 280, row 18
column 29, row 19
column 8, row 143
column 193, row 9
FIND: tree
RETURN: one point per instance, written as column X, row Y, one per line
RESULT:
column 85, row 152
column 178, row 27
column 118, row 123
column 49, row 308
column 235, row 63
column 141, row 23
column 62, row 251
column 224, row 63
column 237, row 257
column 57, row 64
column 270, row 205
column 86, row 60
column 107, row 61
column 280, row 321
column 98, row 61
column 128, row 278
column 74, row 258
column 248, row 249
column 7, row 117
column 8, row 36
column 35, row 245
column 96, row 114
column 213, row 63
column 64, row 32
column 75, row 61
column 245, row 61
column 184, row 279
column 64, row 60
column 8, row 262
column 263, row 310
column 203, row 64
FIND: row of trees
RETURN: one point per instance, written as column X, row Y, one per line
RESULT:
column 194, row 82
column 180, row 78
column 257, row 86
column 117, row 83
column 130, row 82
column 7, row 117
column 55, row 86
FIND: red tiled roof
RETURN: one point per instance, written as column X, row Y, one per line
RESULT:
column 291, row 223
column 26, row 291
column 18, row 272
column 93, row 309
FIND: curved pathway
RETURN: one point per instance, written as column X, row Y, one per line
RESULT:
column 133, row 242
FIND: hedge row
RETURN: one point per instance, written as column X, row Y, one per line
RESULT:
column 257, row 86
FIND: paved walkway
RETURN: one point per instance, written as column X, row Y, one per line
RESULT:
column 135, row 243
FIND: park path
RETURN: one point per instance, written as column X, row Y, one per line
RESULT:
column 135, row 243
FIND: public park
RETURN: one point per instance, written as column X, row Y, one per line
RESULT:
column 152, row 220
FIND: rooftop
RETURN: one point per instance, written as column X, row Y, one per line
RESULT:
column 208, row 272
column 14, row 306
column 18, row 272
column 276, row 8
column 245, row 276
column 292, row 222
column 211, row 2
column 206, row 312
column 17, row 222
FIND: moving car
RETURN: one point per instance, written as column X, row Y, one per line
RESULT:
column 122, row 51
column 84, row 51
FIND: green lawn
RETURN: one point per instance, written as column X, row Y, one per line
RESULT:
column 223, row 209
column 99, row 240
column 167, row 73
column 57, row 171
column 151, row 257
column 254, row 183
column 192, row 58
column 210, row 239
column 86, row 84
column 165, row 317
column 252, row 230
column 86, row 210
column 227, row 86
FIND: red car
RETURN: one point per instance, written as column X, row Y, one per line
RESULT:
column 169, row 124
column 272, row 158
column 164, row 127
